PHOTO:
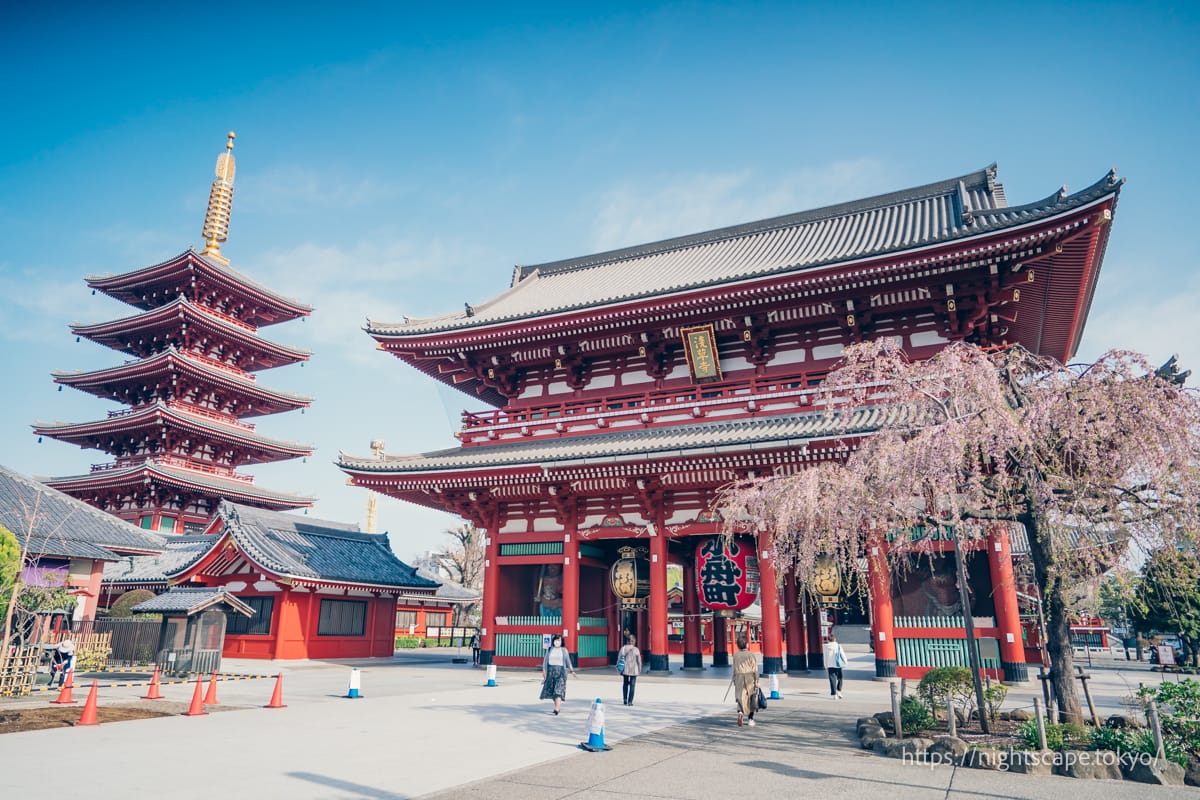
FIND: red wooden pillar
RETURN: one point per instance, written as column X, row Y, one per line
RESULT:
column 797, row 637
column 570, row 594
column 491, row 595
column 693, row 657
column 816, row 657
column 768, row 598
column 659, row 657
column 720, row 641
column 1004, row 595
column 880, row 579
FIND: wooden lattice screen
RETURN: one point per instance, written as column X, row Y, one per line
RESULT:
column 19, row 672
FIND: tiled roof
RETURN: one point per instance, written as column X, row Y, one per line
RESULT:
column 64, row 526
column 191, row 601
column 449, row 590
column 926, row 215
column 790, row 430
column 179, row 550
column 297, row 547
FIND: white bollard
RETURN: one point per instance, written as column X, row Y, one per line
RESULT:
column 775, row 687
column 491, row 675
column 355, row 684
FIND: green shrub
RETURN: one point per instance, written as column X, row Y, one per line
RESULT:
column 408, row 642
column 1058, row 736
column 121, row 609
column 993, row 697
column 942, row 684
column 1178, row 712
column 915, row 716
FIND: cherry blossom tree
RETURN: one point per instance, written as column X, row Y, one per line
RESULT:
column 1090, row 459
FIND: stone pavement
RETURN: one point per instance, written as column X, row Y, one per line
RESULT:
column 425, row 725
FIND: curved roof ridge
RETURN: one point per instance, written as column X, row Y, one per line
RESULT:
column 985, row 177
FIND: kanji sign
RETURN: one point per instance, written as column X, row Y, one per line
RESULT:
column 700, row 346
column 726, row 574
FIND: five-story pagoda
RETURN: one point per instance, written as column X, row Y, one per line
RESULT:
column 189, row 387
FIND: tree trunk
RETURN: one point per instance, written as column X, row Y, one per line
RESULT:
column 1058, row 629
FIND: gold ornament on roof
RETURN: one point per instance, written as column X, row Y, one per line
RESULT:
column 220, row 203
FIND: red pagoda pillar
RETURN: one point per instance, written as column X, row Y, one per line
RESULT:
column 768, row 598
column 659, row 657
column 570, row 596
column 1004, row 594
column 693, row 657
column 816, row 656
column 881, row 608
column 797, row 638
column 491, row 594
column 720, row 640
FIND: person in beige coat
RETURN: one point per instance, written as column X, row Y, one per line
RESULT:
column 745, row 680
column 630, row 659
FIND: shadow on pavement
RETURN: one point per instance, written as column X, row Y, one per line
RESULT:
column 355, row 789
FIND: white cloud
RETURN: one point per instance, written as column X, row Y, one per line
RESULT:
column 295, row 187
column 1155, row 324
column 657, row 208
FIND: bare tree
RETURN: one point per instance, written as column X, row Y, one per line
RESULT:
column 462, row 561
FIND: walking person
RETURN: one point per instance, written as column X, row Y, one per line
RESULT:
column 745, row 680
column 555, row 666
column 475, row 649
column 629, row 664
column 835, row 660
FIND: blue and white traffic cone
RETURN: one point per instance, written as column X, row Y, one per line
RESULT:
column 775, row 687
column 595, row 742
column 355, row 685
column 491, row 680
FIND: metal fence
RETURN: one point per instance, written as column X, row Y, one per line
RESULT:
column 133, row 641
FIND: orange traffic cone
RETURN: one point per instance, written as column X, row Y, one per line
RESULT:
column 89, row 709
column 210, row 697
column 64, row 696
column 152, row 693
column 197, row 708
column 277, row 696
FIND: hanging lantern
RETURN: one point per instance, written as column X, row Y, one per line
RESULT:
column 827, row 582
column 630, row 578
column 727, row 574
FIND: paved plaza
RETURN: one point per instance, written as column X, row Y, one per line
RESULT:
column 426, row 726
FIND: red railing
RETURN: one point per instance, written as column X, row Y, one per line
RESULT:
column 174, row 461
column 187, row 409
column 740, row 391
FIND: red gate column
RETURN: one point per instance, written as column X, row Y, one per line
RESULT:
column 881, row 608
column 613, row 614
column 1004, row 594
column 797, row 639
column 491, row 593
column 768, row 598
column 692, row 655
column 570, row 597
column 720, row 641
column 659, row 658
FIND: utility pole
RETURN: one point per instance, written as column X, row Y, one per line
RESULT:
column 372, row 498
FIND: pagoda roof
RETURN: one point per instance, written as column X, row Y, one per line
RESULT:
column 101, row 382
column 307, row 552
column 949, row 211
column 160, row 415
column 64, row 526
column 122, row 334
column 193, row 275
column 192, row 600
column 674, row 441
column 203, row 483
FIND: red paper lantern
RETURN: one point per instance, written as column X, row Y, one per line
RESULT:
column 727, row 574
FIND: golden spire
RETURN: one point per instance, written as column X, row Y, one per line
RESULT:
column 220, row 203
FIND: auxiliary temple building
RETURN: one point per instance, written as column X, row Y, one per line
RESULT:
column 631, row 385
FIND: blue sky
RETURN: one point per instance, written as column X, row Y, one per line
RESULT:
column 397, row 161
